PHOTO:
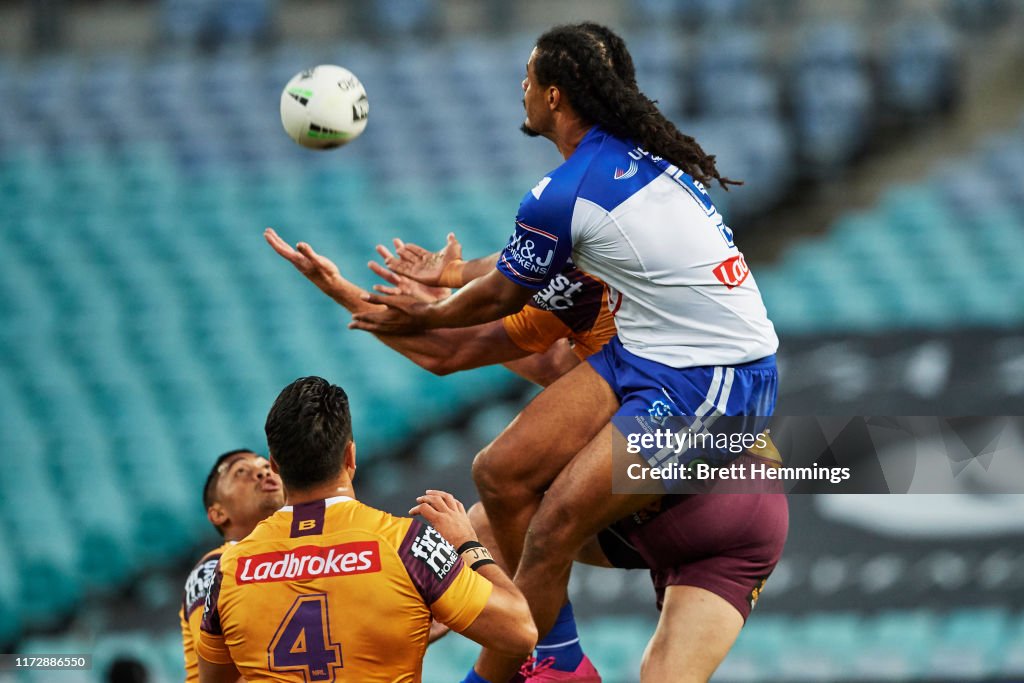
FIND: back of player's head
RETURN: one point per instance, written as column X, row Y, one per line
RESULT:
column 591, row 65
column 127, row 669
column 210, row 488
column 307, row 429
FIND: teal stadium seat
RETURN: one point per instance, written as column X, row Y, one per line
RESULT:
column 970, row 643
column 899, row 643
column 10, row 588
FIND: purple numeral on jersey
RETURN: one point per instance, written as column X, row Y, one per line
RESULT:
column 303, row 641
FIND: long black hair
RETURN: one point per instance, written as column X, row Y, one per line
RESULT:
column 591, row 65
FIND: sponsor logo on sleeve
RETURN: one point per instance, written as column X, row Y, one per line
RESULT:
column 558, row 295
column 198, row 583
column 530, row 252
column 538, row 189
column 309, row 562
column 430, row 548
column 732, row 272
column 628, row 173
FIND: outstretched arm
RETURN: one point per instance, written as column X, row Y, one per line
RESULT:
column 444, row 268
column 439, row 351
column 487, row 298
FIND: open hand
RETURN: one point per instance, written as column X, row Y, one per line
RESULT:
column 400, row 284
column 427, row 267
column 321, row 271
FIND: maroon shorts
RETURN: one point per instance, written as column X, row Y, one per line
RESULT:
column 724, row 543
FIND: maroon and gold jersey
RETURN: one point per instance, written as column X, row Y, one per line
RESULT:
column 574, row 305
column 335, row 590
column 197, row 586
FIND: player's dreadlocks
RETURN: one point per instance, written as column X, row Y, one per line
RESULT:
column 592, row 66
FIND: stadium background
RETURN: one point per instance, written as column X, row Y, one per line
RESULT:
column 146, row 327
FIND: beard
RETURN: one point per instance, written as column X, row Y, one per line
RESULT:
column 527, row 131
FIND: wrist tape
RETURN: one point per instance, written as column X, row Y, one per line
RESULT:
column 451, row 274
column 475, row 554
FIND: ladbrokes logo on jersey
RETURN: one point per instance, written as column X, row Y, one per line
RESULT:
column 309, row 562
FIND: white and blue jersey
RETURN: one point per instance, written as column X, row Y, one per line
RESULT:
column 681, row 292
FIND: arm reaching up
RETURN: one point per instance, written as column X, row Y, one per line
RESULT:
column 442, row 268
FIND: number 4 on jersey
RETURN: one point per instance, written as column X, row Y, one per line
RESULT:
column 303, row 641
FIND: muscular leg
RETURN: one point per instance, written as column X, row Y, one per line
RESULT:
column 577, row 505
column 591, row 552
column 694, row 634
column 513, row 472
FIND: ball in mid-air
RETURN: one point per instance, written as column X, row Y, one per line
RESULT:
column 324, row 107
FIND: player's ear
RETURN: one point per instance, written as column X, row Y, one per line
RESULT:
column 217, row 515
column 554, row 97
column 350, row 458
column 273, row 465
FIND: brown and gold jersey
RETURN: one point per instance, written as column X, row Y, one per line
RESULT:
column 574, row 305
column 335, row 590
column 196, row 588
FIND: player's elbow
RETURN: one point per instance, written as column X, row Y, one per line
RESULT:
column 523, row 637
column 436, row 366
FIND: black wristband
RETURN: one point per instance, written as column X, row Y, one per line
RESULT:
column 480, row 563
column 469, row 545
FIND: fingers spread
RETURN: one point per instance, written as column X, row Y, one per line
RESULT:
column 413, row 251
column 383, row 272
column 385, row 253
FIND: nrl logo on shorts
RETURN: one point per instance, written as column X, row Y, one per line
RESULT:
column 659, row 412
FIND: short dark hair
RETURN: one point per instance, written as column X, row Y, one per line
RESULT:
column 308, row 429
column 127, row 669
column 210, row 488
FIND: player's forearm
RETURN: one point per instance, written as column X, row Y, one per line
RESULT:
column 430, row 350
column 487, row 298
column 347, row 295
column 506, row 626
column 460, row 273
column 478, row 267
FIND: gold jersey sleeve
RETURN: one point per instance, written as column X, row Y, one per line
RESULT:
column 573, row 306
column 336, row 591
column 197, row 585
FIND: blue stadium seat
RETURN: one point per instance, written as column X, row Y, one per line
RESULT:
column 186, row 21
column 244, row 20
column 832, row 115
column 919, row 73
column 830, row 46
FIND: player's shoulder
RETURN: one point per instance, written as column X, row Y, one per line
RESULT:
column 553, row 198
column 617, row 170
column 208, row 560
column 354, row 516
column 199, row 580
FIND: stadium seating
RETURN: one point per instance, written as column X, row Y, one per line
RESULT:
column 897, row 645
column 147, row 327
column 931, row 255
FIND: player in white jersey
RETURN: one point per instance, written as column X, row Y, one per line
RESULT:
column 629, row 206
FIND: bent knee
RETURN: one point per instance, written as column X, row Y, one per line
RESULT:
column 499, row 480
column 478, row 518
